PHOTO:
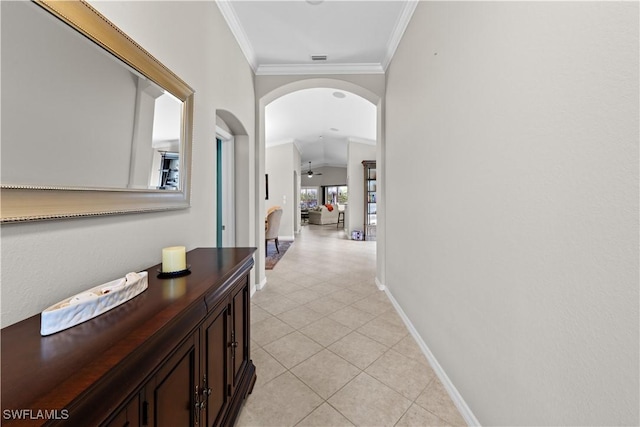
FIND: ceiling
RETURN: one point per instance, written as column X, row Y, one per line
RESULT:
column 280, row 37
column 320, row 121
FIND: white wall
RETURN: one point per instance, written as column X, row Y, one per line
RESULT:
column 515, row 253
column 356, row 153
column 47, row 261
column 280, row 165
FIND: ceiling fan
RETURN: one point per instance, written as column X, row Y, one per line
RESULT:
column 310, row 173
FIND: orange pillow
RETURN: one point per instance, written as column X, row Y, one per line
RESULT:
column 329, row 207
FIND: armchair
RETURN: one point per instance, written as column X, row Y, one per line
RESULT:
column 272, row 226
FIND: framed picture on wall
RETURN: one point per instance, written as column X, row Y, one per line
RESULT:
column 266, row 186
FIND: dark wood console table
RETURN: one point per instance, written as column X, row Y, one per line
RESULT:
column 178, row 354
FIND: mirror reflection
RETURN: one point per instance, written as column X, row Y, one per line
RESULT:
column 76, row 116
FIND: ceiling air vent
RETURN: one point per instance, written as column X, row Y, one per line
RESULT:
column 318, row 57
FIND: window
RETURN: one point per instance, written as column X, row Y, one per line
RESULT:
column 336, row 195
column 308, row 198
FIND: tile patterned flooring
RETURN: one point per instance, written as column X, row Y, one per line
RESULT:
column 330, row 349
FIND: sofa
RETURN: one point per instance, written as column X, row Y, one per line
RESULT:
column 321, row 215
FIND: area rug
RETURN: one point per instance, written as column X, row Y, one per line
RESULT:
column 273, row 256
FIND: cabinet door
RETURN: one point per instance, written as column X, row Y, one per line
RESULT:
column 240, row 331
column 216, row 345
column 129, row 416
column 170, row 394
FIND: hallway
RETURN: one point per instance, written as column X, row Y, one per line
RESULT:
column 330, row 349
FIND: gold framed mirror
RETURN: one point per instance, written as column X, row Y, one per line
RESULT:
column 64, row 153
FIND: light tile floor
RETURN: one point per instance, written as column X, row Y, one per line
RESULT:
column 330, row 349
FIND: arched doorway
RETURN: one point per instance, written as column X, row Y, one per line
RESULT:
column 300, row 83
column 233, row 162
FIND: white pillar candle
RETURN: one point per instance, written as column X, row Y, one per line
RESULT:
column 174, row 258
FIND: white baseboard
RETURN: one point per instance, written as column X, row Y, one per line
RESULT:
column 260, row 286
column 455, row 396
column 252, row 290
column 380, row 285
column 286, row 238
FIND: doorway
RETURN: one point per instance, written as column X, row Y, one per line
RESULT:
column 225, row 189
column 343, row 86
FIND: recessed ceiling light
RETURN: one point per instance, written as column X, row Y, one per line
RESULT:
column 334, row 129
column 318, row 57
column 315, row 2
column 339, row 94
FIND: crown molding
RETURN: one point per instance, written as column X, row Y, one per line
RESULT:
column 233, row 22
column 398, row 31
column 362, row 140
column 280, row 142
column 296, row 143
column 318, row 69
column 323, row 165
column 335, row 165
